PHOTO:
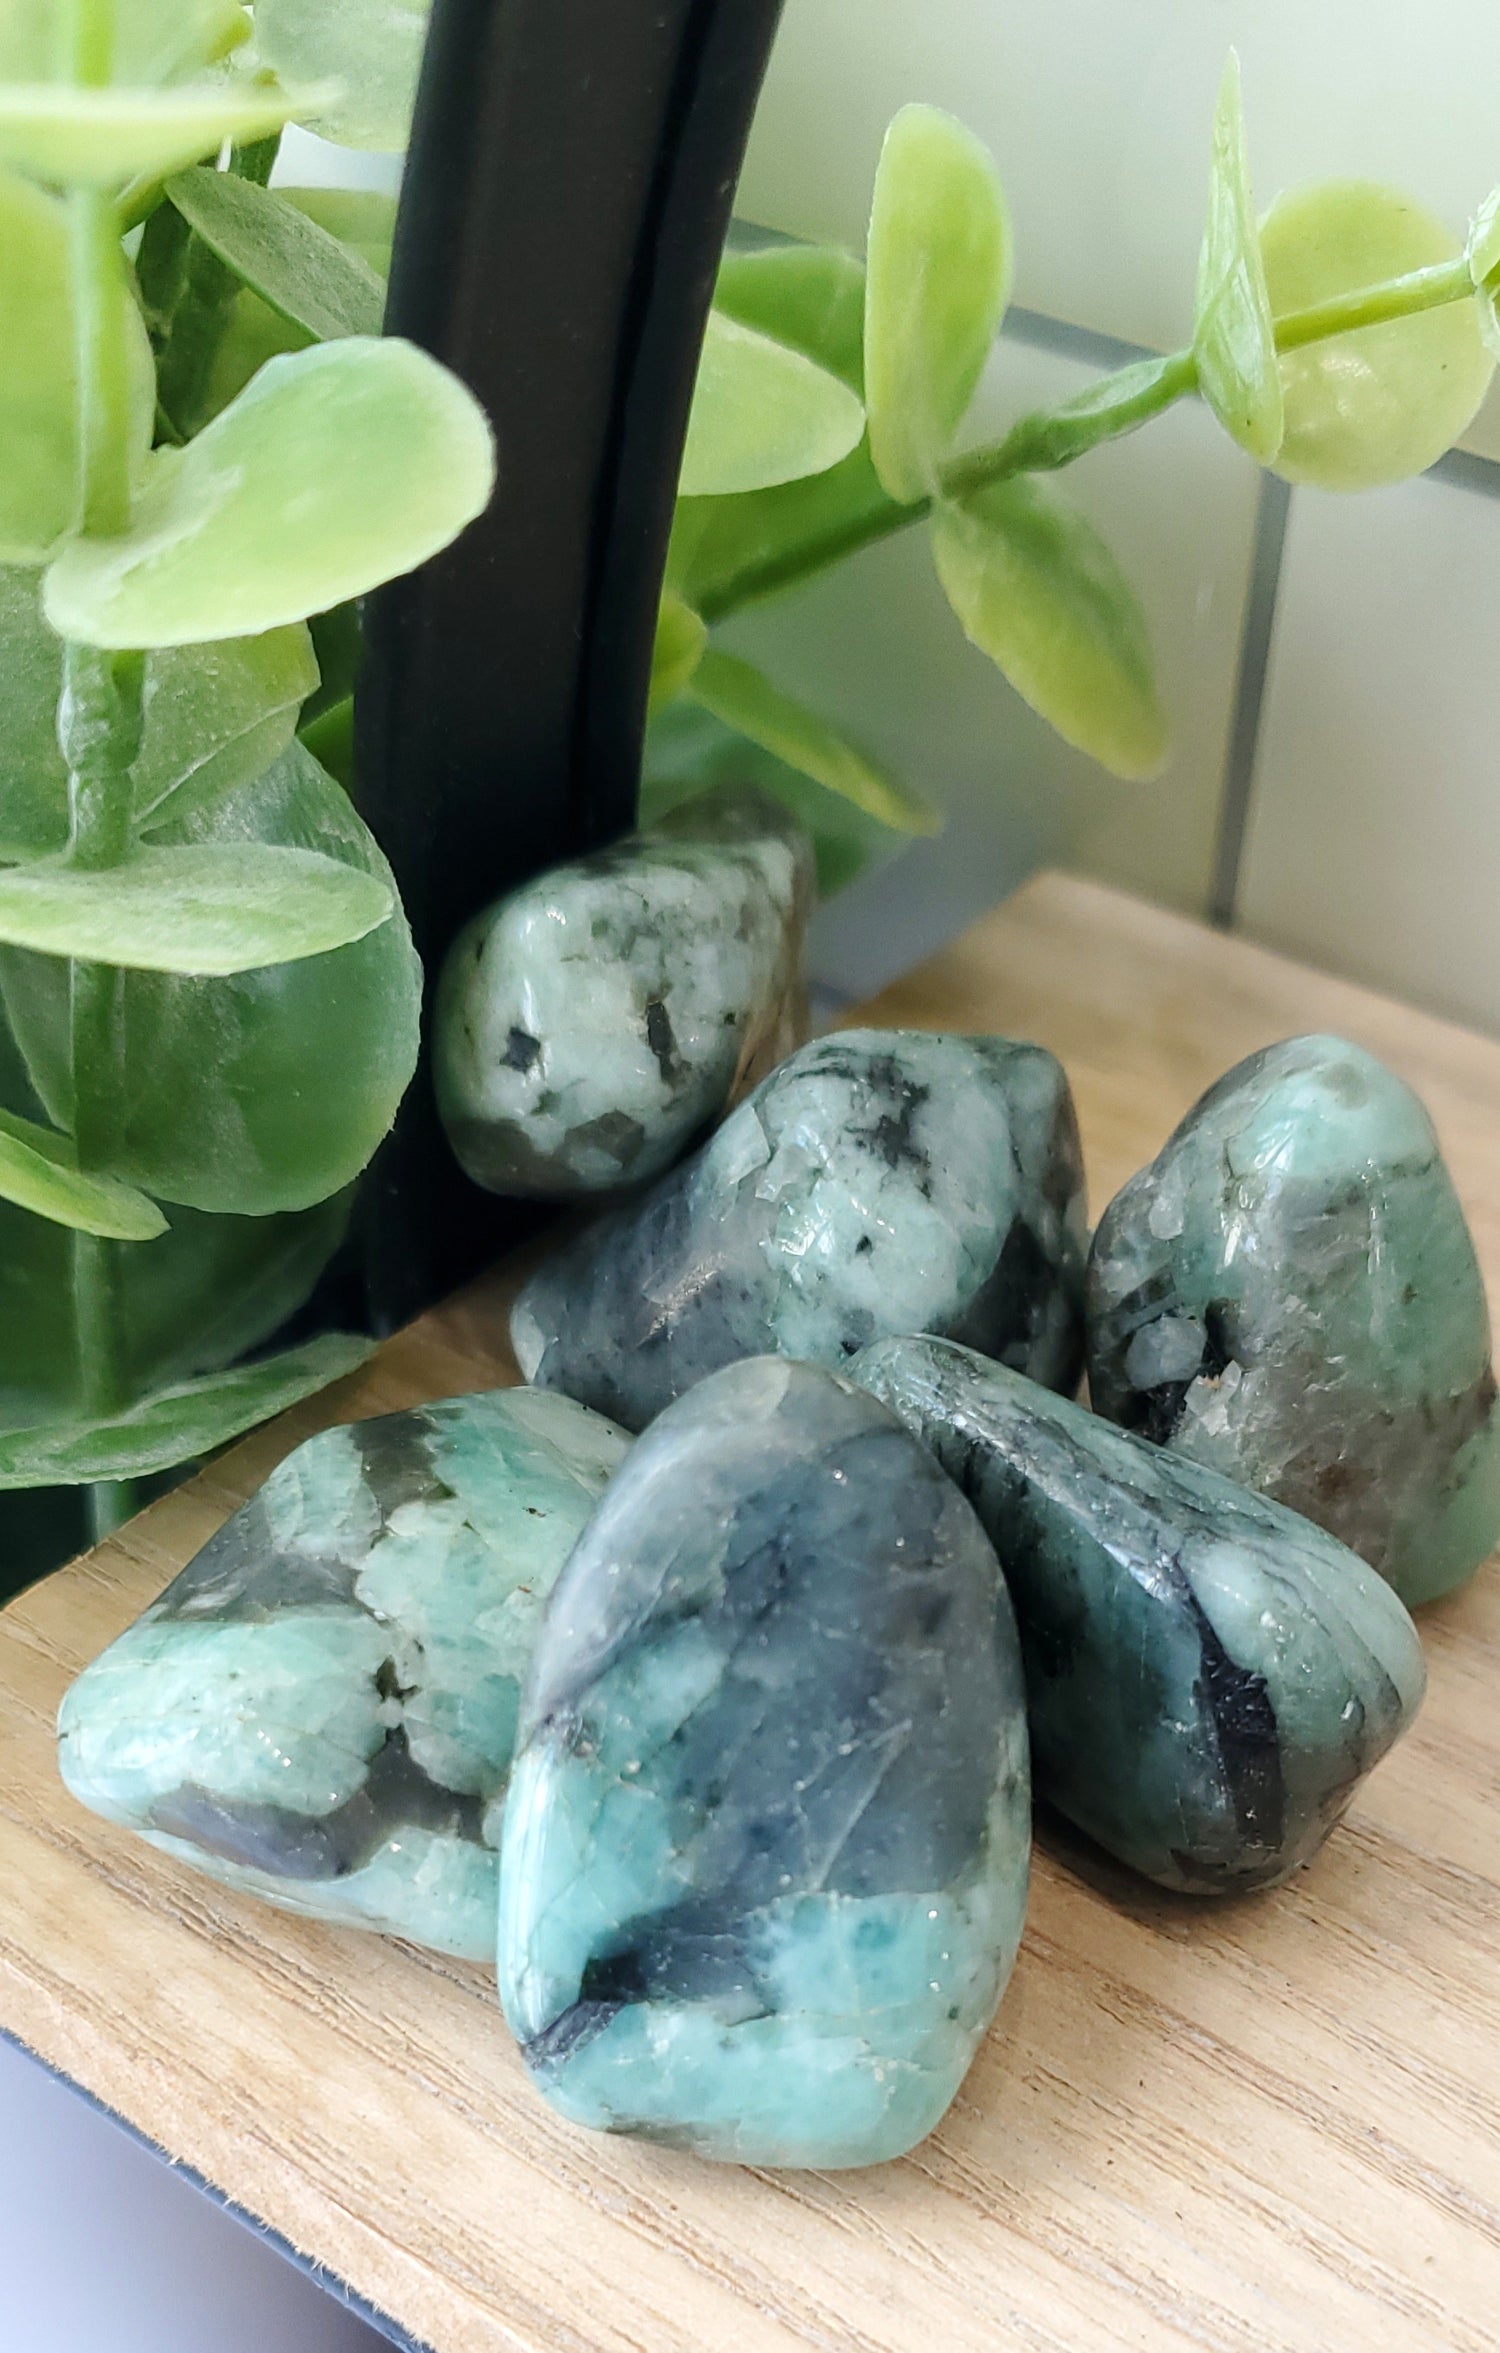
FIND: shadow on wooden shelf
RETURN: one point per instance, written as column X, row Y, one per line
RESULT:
column 1266, row 2127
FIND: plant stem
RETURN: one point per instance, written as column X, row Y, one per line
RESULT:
column 1118, row 404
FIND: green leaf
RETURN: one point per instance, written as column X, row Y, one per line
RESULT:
column 104, row 138
column 295, row 267
column 811, row 297
column 330, row 739
column 680, row 640
column 39, row 1171
column 39, row 460
column 253, row 334
column 1382, row 403
column 1484, row 268
column 939, row 277
column 212, row 909
column 216, row 716
column 1234, row 340
column 1037, row 590
column 273, row 512
column 689, row 751
column 177, row 1425
column 154, row 40
column 296, row 1069
column 745, row 699
column 1105, row 411
column 372, row 50
column 762, row 413
column 364, row 219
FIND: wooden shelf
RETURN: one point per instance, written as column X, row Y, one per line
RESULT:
column 1267, row 2127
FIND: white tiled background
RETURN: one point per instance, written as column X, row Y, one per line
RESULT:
column 1372, row 834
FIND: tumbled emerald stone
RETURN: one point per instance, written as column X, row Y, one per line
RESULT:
column 321, row 1709
column 590, row 1025
column 1289, row 1294
column 1209, row 1677
column 768, row 1833
column 880, row 1181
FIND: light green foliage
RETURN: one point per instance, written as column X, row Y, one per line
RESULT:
column 1381, row 404
column 370, row 49
column 1484, row 268
column 680, row 640
column 296, row 267
column 1037, row 590
column 364, row 219
column 1233, row 338
column 269, row 515
column 688, row 751
column 762, row 413
column 175, row 1424
column 104, row 138
column 745, row 699
column 296, row 1069
column 939, row 280
column 155, row 41
column 39, row 1171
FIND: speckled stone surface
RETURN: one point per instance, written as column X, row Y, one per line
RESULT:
column 1209, row 1677
column 880, row 1181
column 321, row 1709
column 1289, row 1294
column 592, row 1024
column 768, row 1836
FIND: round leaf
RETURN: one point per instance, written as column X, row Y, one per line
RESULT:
column 39, row 1171
column 364, row 219
column 177, row 1425
column 154, row 40
column 302, row 272
column 1484, row 268
column 104, row 138
column 1384, row 402
column 939, row 276
column 680, row 640
column 213, row 908
column 1037, row 590
column 258, row 1093
column 746, row 700
column 372, row 51
column 1234, row 340
column 762, row 413
column 336, row 469
column 811, row 297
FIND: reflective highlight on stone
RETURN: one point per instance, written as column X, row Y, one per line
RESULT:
column 1209, row 1677
column 321, row 1709
column 1289, row 1294
column 767, row 1841
column 880, row 1181
column 592, row 1024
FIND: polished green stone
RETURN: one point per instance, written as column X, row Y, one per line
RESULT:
column 768, row 1834
column 321, row 1709
column 590, row 1025
column 1209, row 1677
column 1289, row 1294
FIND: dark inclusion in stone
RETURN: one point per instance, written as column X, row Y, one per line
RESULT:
column 321, row 1709
column 1209, row 1677
column 880, row 1181
column 1289, row 1294
column 768, row 1834
column 593, row 1023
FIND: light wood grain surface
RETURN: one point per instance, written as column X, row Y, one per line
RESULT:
column 1259, row 2127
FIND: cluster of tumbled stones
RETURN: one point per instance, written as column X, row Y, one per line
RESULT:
column 732, row 1726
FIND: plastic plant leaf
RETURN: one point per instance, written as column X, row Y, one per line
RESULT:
column 178, row 1424
column 39, row 1171
column 809, row 296
column 39, row 464
column 1106, row 411
column 1234, row 340
column 939, row 277
column 253, row 334
column 336, row 469
column 364, row 219
column 296, row 1070
column 762, row 413
column 207, row 908
column 295, row 267
column 1036, row 589
column 155, row 41
column 1381, row 403
column 106, row 138
column 680, row 640
column 689, row 751
column 745, row 699
column 1484, row 268
column 372, row 51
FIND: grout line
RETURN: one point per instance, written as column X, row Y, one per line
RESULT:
column 1271, row 515
column 1464, row 469
column 1041, row 332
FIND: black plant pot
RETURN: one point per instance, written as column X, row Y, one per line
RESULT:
column 565, row 207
